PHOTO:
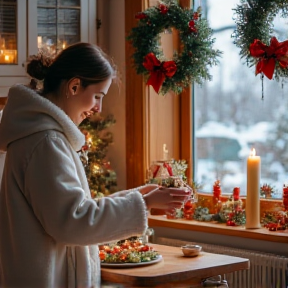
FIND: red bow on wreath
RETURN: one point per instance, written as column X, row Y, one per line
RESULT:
column 158, row 70
column 268, row 55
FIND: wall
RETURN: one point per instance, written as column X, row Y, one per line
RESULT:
column 163, row 111
column 111, row 37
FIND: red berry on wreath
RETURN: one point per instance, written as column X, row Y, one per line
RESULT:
column 195, row 16
column 192, row 27
column 163, row 9
column 140, row 16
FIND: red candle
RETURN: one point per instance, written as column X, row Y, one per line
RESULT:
column 216, row 197
column 217, row 189
column 236, row 193
column 285, row 190
column 285, row 197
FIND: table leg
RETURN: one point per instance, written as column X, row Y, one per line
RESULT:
column 215, row 281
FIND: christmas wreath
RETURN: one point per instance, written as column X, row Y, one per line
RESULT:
column 190, row 64
column 254, row 35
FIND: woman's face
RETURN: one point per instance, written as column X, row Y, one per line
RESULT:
column 87, row 100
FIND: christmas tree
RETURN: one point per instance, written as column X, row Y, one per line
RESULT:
column 101, row 177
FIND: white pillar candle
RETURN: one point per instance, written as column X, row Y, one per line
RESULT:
column 253, row 191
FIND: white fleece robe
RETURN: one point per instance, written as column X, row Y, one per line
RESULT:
column 49, row 225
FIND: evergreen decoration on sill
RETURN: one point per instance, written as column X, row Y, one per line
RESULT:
column 274, row 220
column 254, row 36
column 101, row 177
column 190, row 64
column 267, row 191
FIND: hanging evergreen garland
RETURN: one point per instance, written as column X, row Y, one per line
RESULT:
column 254, row 36
column 196, row 54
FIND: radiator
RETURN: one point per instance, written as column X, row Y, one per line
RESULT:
column 266, row 270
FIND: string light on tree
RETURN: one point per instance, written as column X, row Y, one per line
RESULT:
column 101, row 177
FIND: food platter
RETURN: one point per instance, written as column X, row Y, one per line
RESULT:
column 129, row 264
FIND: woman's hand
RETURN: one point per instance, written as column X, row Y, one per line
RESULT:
column 148, row 188
column 163, row 197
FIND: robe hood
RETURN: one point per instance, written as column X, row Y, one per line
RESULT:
column 26, row 112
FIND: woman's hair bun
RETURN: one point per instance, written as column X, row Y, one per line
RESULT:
column 38, row 65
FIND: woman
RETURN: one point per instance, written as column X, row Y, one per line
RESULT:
column 49, row 225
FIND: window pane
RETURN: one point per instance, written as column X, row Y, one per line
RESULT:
column 58, row 27
column 8, row 32
column 230, row 116
column 47, row 28
column 69, row 3
column 46, row 3
column 68, row 26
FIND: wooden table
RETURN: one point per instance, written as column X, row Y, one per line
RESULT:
column 174, row 270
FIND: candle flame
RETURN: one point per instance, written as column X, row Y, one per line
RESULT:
column 253, row 152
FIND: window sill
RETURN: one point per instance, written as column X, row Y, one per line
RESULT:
column 157, row 219
column 221, row 229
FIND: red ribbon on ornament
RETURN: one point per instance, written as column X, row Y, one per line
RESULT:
column 169, row 169
column 158, row 70
column 268, row 55
column 156, row 171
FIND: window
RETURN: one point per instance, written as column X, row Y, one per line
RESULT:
column 231, row 117
column 8, row 32
column 58, row 24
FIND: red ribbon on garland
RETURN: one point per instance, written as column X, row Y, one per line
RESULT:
column 158, row 70
column 268, row 55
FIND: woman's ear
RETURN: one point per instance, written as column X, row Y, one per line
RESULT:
column 74, row 86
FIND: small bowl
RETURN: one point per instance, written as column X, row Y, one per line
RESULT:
column 190, row 250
